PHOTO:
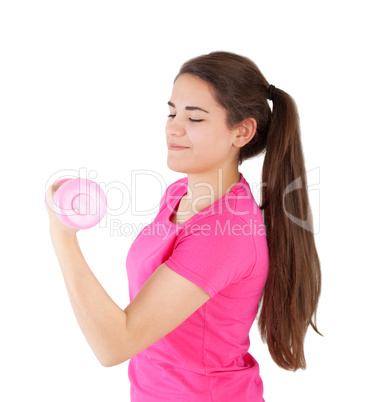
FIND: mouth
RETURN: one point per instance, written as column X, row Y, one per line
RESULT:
column 175, row 148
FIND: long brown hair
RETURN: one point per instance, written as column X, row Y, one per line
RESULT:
column 291, row 293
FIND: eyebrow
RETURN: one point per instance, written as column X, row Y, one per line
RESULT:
column 188, row 107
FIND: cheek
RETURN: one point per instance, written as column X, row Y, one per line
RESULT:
column 208, row 149
column 213, row 139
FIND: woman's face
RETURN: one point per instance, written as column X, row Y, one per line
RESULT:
column 203, row 132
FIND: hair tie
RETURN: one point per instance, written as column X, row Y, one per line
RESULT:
column 271, row 90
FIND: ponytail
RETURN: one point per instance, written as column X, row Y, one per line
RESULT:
column 293, row 286
column 290, row 297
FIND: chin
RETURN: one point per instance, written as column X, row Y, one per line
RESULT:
column 174, row 169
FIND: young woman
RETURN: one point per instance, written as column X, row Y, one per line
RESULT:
column 199, row 272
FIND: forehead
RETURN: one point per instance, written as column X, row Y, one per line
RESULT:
column 190, row 88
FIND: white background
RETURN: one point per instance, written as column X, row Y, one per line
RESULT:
column 84, row 85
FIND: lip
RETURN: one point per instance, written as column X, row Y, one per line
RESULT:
column 176, row 147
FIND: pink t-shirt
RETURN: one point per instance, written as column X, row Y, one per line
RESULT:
column 223, row 250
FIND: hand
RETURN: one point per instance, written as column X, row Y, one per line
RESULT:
column 56, row 226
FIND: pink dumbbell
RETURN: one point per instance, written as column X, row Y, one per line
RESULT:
column 79, row 203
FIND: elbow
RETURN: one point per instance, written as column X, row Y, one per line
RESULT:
column 110, row 362
column 113, row 351
column 105, row 363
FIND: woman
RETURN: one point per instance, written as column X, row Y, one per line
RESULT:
column 198, row 273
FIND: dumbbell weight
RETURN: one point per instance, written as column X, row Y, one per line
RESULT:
column 79, row 203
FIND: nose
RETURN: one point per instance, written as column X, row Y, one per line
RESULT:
column 174, row 127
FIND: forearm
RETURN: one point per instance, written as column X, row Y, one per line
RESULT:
column 101, row 320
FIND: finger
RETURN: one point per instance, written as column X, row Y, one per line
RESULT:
column 51, row 190
column 49, row 198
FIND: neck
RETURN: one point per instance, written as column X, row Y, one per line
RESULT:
column 207, row 187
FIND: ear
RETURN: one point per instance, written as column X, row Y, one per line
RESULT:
column 244, row 132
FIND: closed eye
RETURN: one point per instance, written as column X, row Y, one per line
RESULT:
column 192, row 120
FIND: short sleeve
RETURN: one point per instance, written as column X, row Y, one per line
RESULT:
column 214, row 252
column 163, row 198
column 173, row 190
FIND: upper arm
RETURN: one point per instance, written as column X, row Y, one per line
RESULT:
column 164, row 302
